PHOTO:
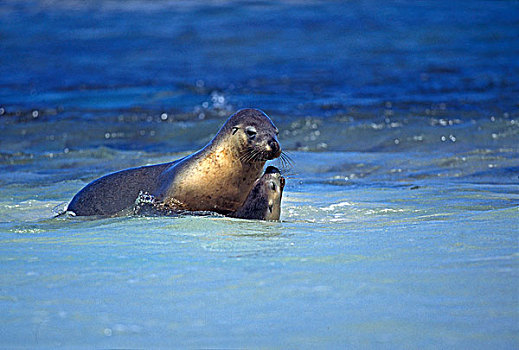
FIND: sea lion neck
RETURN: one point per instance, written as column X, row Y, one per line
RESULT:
column 225, row 179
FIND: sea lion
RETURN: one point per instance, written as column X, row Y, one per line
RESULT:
column 264, row 200
column 216, row 178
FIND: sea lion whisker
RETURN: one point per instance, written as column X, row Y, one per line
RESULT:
column 247, row 155
column 252, row 156
column 286, row 158
column 243, row 157
column 291, row 175
column 256, row 156
column 263, row 156
column 285, row 161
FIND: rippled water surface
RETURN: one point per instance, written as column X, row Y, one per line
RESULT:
column 400, row 217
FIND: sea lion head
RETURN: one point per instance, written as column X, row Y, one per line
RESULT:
column 264, row 200
column 274, row 183
column 256, row 135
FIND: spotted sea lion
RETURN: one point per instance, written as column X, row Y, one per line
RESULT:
column 216, row 178
column 264, row 200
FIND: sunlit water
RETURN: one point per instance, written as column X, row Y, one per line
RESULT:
column 400, row 218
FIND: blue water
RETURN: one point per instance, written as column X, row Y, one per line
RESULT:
column 400, row 217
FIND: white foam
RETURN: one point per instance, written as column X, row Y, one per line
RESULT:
column 338, row 205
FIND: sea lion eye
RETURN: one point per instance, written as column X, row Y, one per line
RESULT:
column 234, row 129
column 251, row 131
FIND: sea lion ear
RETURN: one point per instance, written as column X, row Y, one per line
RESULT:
column 234, row 129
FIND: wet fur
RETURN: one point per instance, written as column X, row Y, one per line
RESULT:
column 116, row 192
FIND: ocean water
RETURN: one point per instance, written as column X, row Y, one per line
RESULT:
column 400, row 217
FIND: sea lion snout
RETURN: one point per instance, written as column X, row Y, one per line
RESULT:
column 275, row 148
column 271, row 147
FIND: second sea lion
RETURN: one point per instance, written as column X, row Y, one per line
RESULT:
column 264, row 200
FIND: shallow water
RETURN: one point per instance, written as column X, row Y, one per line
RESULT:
column 401, row 210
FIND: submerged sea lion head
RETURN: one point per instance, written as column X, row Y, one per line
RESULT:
column 274, row 183
column 256, row 135
column 264, row 200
